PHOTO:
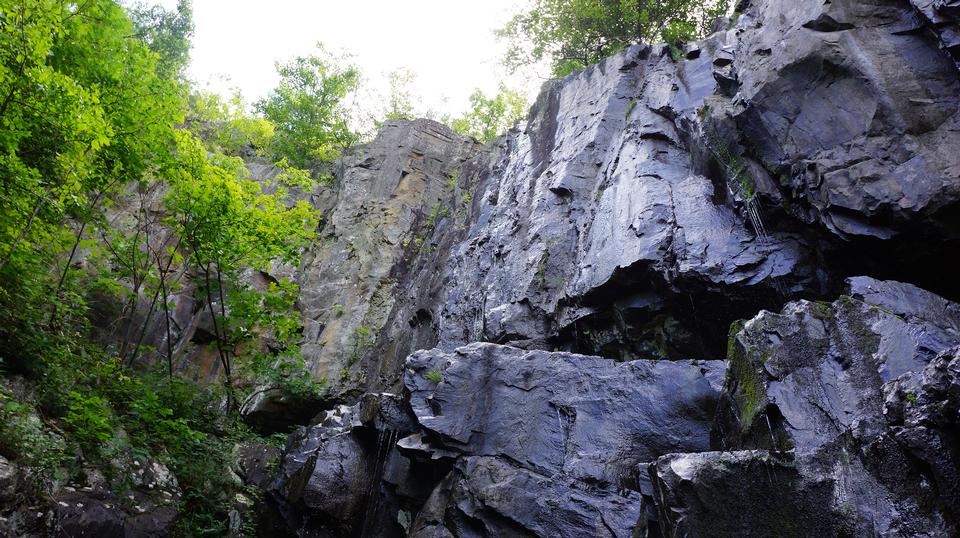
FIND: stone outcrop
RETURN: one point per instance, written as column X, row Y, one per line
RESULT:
column 559, row 413
column 344, row 476
column 369, row 284
column 647, row 202
column 834, row 388
column 546, row 443
column 923, row 412
column 563, row 279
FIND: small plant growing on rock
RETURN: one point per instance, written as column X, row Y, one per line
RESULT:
column 434, row 375
column 542, row 268
column 452, row 179
column 362, row 341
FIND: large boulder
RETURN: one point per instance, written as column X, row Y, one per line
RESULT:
column 586, row 417
column 835, row 388
column 741, row 493
column 802, row 378
column 343, row 476
column 148, row 509
column 546, row 443
column 490, row 496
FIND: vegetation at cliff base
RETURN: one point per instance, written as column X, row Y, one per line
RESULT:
column 121, row 199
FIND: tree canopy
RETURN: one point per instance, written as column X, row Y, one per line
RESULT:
column 572, row 34
column 490, row 116
column 308, row 107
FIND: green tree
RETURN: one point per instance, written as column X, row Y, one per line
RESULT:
column 491, row 116
column 167, row 33
column 225, row 126
column 91, row 97
column 308, row 108
column 400, row 100
column 572, row 34
column 228, row 222
column 84, row 110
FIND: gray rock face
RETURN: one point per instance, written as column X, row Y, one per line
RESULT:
column 597, row 217
column 923, row 412
column 370, row 275
column 853, row 107
column 325, row 476
column 816, row 371
column 343, row 477
column 546, row 442
column 838, row 387
column 252, row 462
column 642, row 184
column 488, row 496
column 646, row 202
column 741, row 493
column 581, row 416
column 942, row 18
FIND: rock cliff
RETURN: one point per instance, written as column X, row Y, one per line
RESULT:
column 540, row 337
column 699, row 291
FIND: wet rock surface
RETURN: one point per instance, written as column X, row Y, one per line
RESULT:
column 559, row 413
column 343, row 476
column 533, row 337
column 923, row 411
column 740, row 493
column 546, row 442
column 646, row 203
column 487, row 496
column 804, row 377
column 836, row 387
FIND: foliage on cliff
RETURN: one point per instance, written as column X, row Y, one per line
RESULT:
column 308, row 108
column 93, row 102
column 571, row 35
column 490, row 116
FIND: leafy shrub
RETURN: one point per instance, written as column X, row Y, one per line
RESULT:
column 89, row 419
column 225, row 126
column 491, row 116
column 23, row 438
column 675, row 34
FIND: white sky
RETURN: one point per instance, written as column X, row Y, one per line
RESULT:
column 449, row 44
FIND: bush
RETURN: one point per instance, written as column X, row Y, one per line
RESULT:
column 226, row 127
column 24, row 439
column 89, row 419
